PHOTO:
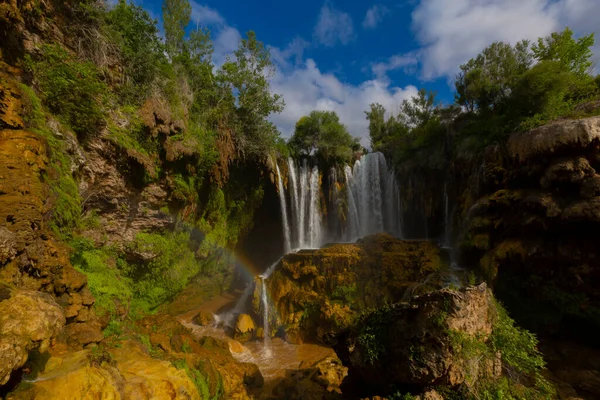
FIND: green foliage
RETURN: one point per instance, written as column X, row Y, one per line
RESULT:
column 572, row 55
column 517, row 346
column 200, row 380
column 372, row 328
column 66, row 210
column 170, row 267
column 176, row 17
column 417, row 127
column 105, row 281
column 485, row 82
column 70, row 88
column 137, row 36
column 322, row 133
column 114, row 328
column 346, row 293
column 248, row 77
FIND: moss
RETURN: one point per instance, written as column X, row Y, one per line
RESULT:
column 505, row 250
column 66, row 209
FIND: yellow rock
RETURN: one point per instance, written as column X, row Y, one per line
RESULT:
column 128, row 374
column 244, row 324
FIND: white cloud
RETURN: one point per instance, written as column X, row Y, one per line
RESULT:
column 407, row 61
column 374, row 16
column 225, row 38
column 306, row 88
column 453, row 31
column 205, row 15
column 333, row 26
column 303, row 85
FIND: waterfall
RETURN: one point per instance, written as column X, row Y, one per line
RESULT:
column 373, row 198
column 372, row 201
column 265, row 305
column 447, row 220
column 228, row 318
column 314, row 212
column 286, row 227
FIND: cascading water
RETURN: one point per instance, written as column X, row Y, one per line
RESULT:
column 265, row 305
column 372, row 201
column 373, row 198
column 447, row 222
column 304, row 192
column 286, row 227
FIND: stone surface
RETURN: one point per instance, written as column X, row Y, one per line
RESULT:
column 318, row 292
column 413, row 346
column 28, row 320
column 554, row 137
column 124, row 373
column 204, row 319
column 321, row 380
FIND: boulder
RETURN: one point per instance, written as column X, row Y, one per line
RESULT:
column 28, row 320
column 419, row 343
column 245, row 328
column 123, row 373
column 316, row 381
column 204, row 319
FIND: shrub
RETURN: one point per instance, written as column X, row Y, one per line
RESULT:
column 69, row 88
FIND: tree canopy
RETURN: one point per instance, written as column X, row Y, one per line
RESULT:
column 322, row 134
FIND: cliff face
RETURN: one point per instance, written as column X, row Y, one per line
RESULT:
column 533, row 236
column 523, row 213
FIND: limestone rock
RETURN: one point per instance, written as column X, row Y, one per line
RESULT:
column 124, row 373
column 567, row 171
column 317, row 293
column 319, row 380
column 418, row 351
column 81, row 334
column 553, row 137
column 7, row 245
column 28, row 320
column 244, row 329
column 203, row 319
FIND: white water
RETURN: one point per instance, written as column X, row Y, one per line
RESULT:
column 372, row 201
column 228, row 318
column 373, row 198
column 286, row 228
column 305, row 229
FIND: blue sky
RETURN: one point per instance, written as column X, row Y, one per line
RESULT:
column 343, row 55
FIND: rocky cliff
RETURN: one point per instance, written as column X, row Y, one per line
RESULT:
column 314, row 293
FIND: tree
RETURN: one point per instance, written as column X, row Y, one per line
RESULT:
column 322, row 134
column 136, row 34
column 484, row 83
column 574, row 55
column 377, row 125
column 419, row 110
column 248, row 76
column 176, row 17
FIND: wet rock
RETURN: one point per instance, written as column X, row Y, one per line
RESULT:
column 28, row 320
column 204, row 319
column 245, row 328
